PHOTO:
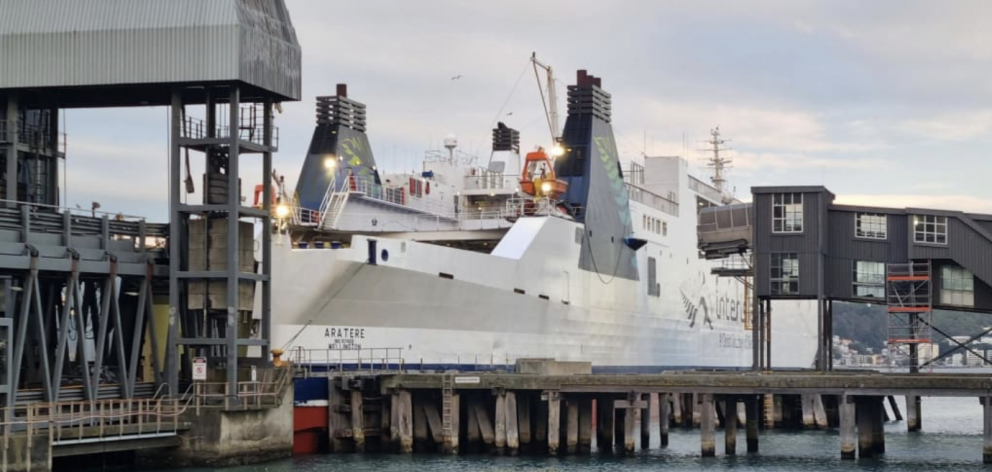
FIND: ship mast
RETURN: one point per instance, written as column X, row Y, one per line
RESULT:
column 718, row 163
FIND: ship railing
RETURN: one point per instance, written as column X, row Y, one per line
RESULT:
column 250, row 129
column 652, row 199
column 484, row 179
column 319, row 362
column 397, row 196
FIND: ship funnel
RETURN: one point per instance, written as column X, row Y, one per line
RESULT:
column 339, row 153
column 596, row 192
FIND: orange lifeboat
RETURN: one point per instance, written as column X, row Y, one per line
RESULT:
column 538, row 178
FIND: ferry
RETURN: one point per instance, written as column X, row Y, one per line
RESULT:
column 565, row 251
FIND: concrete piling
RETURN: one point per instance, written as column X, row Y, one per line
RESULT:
column 421, row 432
column 895, row 408
column 405, row 407
column 629, row 426
column 357, row 420
column 696, row 413
column 500, row 422
column 809, row 420
column 819, row 412
column 677, row 408
column 605, row 424
column 512, row 427
column 914, row 413
column 878, row 428
column 338, row 420
column 585, row 424
column 753, row 416
column 730, row 427
column 523, row 421
column 846, row 409
column 571, row 425
column 473, row 434
column 645, row 421
column 540, row 412
column 554, row 423
column 986, row 429
column 486, row 429
column 664, row 417
column 871, row 435
column 707, row 412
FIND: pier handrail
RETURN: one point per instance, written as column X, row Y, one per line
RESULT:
column 311, row 362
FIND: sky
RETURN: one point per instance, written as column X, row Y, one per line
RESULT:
column 886, row 103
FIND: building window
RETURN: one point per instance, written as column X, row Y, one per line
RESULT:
column 930, row 229
column 787, row 213
column 664, row 228
column 654, row 288
column 785, row 273
column 870, row 225
column 957, row 286
column 869, row 279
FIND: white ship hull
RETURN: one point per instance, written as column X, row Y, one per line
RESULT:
column 340, row 307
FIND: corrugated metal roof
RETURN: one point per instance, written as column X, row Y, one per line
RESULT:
column 67, row 43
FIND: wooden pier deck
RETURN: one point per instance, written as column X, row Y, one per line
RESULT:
column 511, row 413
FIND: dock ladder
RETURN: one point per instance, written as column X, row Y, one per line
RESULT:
column 447, row 391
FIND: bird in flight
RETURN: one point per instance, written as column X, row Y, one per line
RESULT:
column 456, row 77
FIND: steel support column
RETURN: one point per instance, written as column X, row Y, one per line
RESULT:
column 233, row 233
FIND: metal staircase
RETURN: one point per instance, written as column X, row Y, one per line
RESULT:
column 331, row 207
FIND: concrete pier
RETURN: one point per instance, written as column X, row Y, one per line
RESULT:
column 554, row 423
column 524, row 430
column 644, row 420
column 753, row 413
column 500, row 422
column 986, row 429
column 730, row 426
column 405, row 414
column 572, row 425
column 707, row 410
column 914, row 413
column 357, row 420
column 846, row 409
column 605, row 424
column 664, row 417
column 585, row 424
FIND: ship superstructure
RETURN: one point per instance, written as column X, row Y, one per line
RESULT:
column 579, row 257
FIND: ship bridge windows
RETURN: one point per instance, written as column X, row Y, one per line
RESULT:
column 930, row 229
column 787, row 213
column 870, row 225
column 957, row 286
column 869, row 279
column 785, row 273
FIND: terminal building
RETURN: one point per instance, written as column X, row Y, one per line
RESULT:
column 799, row 244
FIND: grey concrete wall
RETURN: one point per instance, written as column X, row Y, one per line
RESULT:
column 225, row 438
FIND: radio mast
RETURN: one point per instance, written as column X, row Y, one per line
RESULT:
column 718, row 163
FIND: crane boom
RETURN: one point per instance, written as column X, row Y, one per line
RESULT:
column 551, row 104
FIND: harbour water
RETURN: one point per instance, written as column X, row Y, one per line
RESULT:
column 951, row 440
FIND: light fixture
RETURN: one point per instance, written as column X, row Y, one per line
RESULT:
column 330, row 163
column 557, row 150
column 282, row 210
column 546, row 187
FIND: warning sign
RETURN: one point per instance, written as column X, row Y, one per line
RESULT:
column 199, row 368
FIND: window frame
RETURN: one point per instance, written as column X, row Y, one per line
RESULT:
column 787, row 216
column 871, row 285
column 783, row 279
column 860, row 233
column 938, row 222
column 966, row 290
column 654, row 288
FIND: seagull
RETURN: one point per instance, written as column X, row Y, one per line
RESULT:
column 510, row 113
column 456, row 77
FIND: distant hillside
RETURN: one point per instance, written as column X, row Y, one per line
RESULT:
column 868, row 325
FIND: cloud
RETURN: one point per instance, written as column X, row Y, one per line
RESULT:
column 960, row 126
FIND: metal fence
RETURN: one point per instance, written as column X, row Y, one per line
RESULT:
column 317, row 362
